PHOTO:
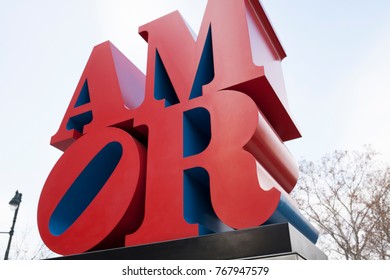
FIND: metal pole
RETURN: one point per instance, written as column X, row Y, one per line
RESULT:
column 11, row 233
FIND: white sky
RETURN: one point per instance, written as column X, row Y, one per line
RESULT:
column 336, row 73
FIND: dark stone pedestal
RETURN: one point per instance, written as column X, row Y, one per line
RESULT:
column 279, row 241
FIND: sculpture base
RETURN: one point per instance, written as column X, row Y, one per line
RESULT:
column 277, row 241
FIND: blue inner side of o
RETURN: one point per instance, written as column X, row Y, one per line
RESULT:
column 85, row 188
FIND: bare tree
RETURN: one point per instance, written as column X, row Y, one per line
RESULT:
column 26, row 247
column 347, row 196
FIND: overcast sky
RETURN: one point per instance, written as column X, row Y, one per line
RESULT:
column 336, row 74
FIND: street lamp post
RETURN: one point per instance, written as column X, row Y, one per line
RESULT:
column 14, row 203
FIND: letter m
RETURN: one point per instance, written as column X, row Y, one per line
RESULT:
column 236, row 49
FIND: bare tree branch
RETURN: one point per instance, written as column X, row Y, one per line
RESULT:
column 347, row 195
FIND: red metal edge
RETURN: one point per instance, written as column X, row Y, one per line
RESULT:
column 264, row 21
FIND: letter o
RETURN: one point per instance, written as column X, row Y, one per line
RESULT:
column 94, row 195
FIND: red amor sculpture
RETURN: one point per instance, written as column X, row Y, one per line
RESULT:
column 194, row 147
